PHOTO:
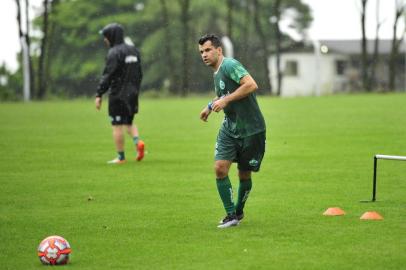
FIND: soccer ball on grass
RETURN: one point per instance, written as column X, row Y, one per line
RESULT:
column 54, row 250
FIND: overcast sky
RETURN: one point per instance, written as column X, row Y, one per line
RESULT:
column 333, row 19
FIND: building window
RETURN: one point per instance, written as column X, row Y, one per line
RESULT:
column 290, row 68
column 340, row 67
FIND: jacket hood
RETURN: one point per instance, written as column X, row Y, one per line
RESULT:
column 114, row 32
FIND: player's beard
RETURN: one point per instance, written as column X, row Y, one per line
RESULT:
column 210, row 63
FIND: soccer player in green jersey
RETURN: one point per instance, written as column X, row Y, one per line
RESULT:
column 241, row 137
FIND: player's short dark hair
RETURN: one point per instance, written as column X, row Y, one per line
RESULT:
column 213, row 38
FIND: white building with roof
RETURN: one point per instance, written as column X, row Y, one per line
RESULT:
column 334, row 66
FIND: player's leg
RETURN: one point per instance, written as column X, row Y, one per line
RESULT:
column 250, row 159
column 139, row 144
column 224, row 155
column 132, row 110
column 117, row 117
column 223, row 183
column 132, row 130
column 118, row 138
column 244, row 190
column 225, row 191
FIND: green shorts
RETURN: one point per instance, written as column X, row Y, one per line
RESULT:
column 246, row 152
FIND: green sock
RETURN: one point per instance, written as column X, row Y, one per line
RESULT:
column 135, row 140
column 226, row 194
column 121, row 155
column 243, row 192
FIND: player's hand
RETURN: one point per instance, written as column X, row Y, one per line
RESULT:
column 98, row 103
column 205, row 114
column 219, row 104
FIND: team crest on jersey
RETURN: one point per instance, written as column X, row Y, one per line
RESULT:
column 222, row 85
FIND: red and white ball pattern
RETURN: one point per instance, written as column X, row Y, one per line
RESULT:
column 54, row 250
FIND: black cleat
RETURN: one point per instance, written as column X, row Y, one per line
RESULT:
column 229, row 221
column 240, row 216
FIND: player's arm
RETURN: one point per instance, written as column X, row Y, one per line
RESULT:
column 247, row 86
column 105, row 81
column 98, row 103
column 207, row 110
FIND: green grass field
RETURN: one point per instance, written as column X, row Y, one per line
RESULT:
column 162, row 213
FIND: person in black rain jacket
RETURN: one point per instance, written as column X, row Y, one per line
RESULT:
column 122, row 77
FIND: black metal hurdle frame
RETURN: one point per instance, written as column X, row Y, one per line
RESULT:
column 376, row 157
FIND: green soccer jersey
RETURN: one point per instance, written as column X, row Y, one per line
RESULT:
column 243, row 117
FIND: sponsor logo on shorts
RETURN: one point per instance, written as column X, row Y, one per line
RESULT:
column 253, row 162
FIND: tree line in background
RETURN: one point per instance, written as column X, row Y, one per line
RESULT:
column 369, row 62
column 68, row 57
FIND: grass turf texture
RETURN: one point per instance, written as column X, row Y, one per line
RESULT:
column 162, row 213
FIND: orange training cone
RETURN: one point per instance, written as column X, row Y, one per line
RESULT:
column 334, row 211
column 371, row 216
